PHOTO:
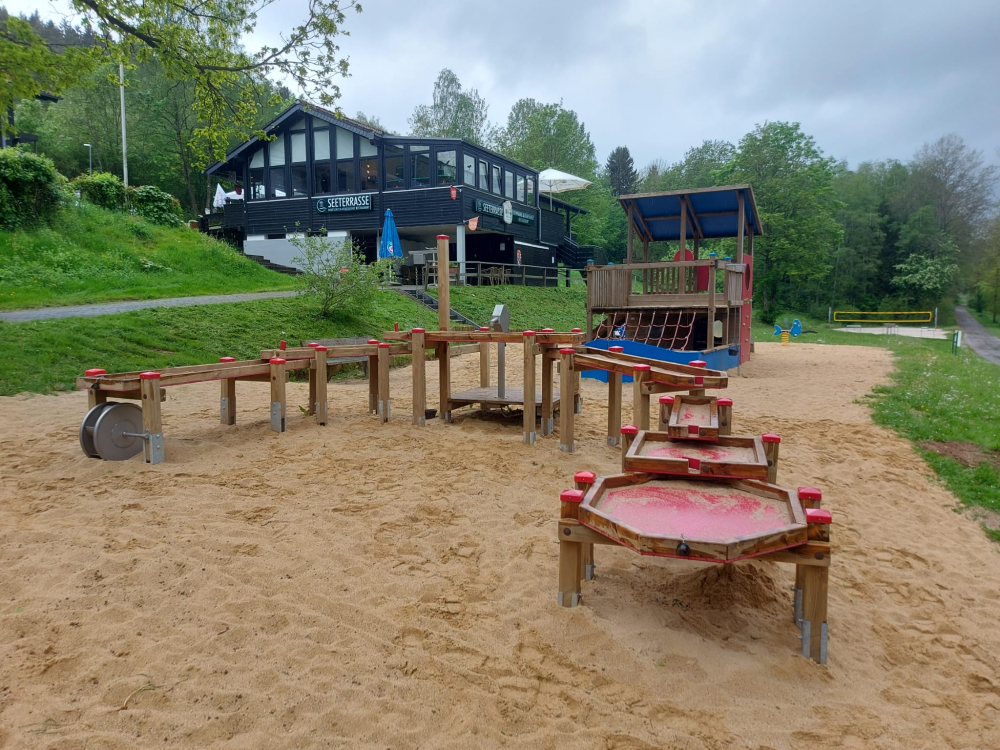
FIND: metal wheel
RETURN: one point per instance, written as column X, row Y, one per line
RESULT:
column 87, row 429
column 118, row 432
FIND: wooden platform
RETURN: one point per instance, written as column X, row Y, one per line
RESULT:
column 488, row 397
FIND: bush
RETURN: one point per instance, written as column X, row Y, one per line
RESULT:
column 154, row 205
column 102, row 189
column 336, row 272
column 30, row 190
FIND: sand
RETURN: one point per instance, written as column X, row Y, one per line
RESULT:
column 385, row 586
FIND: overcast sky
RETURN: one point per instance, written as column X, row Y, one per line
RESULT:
column 869, row 79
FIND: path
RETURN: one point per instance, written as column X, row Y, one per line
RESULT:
column 975, row 334
column 110, row 308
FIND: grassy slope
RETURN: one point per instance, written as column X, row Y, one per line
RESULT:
column 88, row 255
column 986, row 318
column 530, row 307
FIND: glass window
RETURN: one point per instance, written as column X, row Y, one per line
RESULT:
column 299, row 185
column 257, row 160
column 497, row 183
column 369, row 172
column 394, row 177
column 366, row 148
column 257, row 184
column 469, row 169
column 298, row 148
column 321, row 144
column 345, row 176
column 277, row 178
column 484, row 176
column 321, row 178
column 531, row 191
column 276, row 151
column 420, row 166
column 508, row 184
column 345, row 144
column 299, row 124
column 447, row 168
column 520, row 188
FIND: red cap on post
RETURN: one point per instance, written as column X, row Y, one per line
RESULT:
column 616, row 348
column 577, row 330
column 584, row 477
column 699, row 380
column 694, row 463
column 277, row 361
column 149, row 376
column 697, row 363
column 94, row 372
column 818, row 515
column 641, row 368
column 693, row 429
column 724, row 402
column 548, row 330
column 770, row 437
column 571, row 496
column 320, row 348
column 227, row 359
column 567, row 350
column 630, row 429
column 666, row 399
column 282, row 345
column 442, row 236
column 484, row 329
column 372, row 341
column 528, row 333
column 810, row 493
column 312, row 344
column 419, row 330
column 384, row 345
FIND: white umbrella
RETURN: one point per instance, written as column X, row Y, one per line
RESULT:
column 220, row 197
column 556, row 181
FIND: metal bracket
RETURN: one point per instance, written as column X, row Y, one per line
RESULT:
column 528, row 437
column 578, row 406
column 574, row 600
column 550, row 426
column 277, row 423
column 589, row 571
column 152, row 448
column 567, row 448
column 798, row 607
column 806, row 637
column 613, row 441
column 822, row 643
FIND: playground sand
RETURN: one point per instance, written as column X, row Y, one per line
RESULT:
column 370, row 585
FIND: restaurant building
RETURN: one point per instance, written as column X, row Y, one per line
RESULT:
column 323, row 174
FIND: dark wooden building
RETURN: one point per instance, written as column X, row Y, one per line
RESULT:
column 326, row 174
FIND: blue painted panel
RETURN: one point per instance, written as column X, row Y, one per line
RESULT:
column 721, row 359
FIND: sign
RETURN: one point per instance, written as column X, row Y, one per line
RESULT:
column 490, row 209
column 522, row 217
column 507, row 212
column 454, row 193
column 519, row 256
column 473, row 223
column 336, row 203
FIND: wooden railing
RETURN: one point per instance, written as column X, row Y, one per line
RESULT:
column 484, row 273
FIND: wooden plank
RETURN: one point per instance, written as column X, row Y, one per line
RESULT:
column 566, row 412
column 152, row 421
column 278, row 400
column 347, row 351
column 528, row 427
column 419, row 378
column 741, row 222
column 614, row 408
column 384, row 402
column 444, row 281
column 513, row 396
column 476, row 337
column 444, row 381
column 321, row 406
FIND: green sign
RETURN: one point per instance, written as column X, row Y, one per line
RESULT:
column 523, row 217
column 335, row 203
column 490, row 209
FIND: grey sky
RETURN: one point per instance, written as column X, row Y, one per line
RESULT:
column 869, row 79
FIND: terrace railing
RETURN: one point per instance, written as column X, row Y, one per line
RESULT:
column 485, row 273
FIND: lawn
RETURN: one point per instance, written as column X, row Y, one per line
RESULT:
column 530, row 307
column 88, row 255
column 986, row 318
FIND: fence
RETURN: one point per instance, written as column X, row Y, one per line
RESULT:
column 691, row 282
column 483, row 273
column 878, row 317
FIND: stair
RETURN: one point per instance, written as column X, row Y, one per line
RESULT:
column 418, row 295
column 273, row 266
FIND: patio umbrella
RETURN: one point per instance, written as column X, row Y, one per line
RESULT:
column 390, row 246
column 555, row 181
column 220, row 197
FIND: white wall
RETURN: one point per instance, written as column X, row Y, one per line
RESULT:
column 283, row 251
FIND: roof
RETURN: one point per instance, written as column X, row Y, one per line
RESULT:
column 711, row 212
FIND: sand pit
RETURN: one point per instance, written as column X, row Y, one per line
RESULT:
column 370, row 585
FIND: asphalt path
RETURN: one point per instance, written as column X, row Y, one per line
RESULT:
column 976, row 335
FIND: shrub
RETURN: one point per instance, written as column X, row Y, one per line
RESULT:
column 102, row 189
column 154, row 205
column 29, row 189
column 336, row 272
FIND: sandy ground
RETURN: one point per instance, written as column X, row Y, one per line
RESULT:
column 366, row 585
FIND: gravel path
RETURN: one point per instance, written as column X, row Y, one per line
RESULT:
column 975, row 334
column 110, row 308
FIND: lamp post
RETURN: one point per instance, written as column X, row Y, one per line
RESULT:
column 90, row 157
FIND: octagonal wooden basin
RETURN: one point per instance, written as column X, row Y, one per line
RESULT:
column 716, row 521
column 658, row 452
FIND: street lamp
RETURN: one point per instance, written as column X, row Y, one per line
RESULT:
column 90, row 157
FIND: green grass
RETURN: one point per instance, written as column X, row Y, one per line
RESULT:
column 986, row 318
column 91, row 255
column 560, row 308
column 46, row 356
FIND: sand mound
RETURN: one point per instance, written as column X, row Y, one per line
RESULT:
column 367, row 585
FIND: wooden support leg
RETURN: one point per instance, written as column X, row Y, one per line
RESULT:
column 614, row 408
column 577, row 394
column 278, row 394
column 666, row 406
column 418, row 345
column 570, row 553
column 311, row 406
column 584, row 480
column 152, row 423
column 640, row 400
column 548, row 395
column 725, row 416
column 629, row 432
column 444, row 380
column 227, row 401
column 771, row 443
column 815, row 583
column 95, row 397
column 384, row 403
column 566, row 414
column 528, row 428
column 484, row 364
column 373, row 378
column 322, row 378
column 809, row 499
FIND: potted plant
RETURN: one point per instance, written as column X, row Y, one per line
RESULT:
column 453, row 269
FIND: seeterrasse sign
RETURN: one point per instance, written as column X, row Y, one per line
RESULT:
column 335, row 203
column 517, row 216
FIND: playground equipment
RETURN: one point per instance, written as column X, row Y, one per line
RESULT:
column 881, row 318
column 795, row 331
column 696, row 417
column 732, row 457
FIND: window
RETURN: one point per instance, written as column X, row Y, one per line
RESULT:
column 345, row 161
column 298, row 147
column 321, row 144
column 256, row 188
column 299, row 124
column 394, row 177
column 300, row 185
column 277, row 178
column 469, row 169
column 508, row 184
column 484, row 176
column 520, row 188
column 276, row 152
column 369, row 164
column 322, row 181
column 298, row 170
column 447, row 168
column 420, row 166
column 531, row 191
column 497, row 184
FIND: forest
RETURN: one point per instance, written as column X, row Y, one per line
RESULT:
column 886, row 235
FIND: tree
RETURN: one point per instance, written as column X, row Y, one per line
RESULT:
column 547, row 135
column 372, row 122
column 989, row 284
column 194, row 40
column 454, row 113
column 621, row 171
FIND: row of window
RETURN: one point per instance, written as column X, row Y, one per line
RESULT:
column 343, row 162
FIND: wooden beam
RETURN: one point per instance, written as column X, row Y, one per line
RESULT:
column 419, row 378
column 548, row 394
column 741, row 223
column 686, row 202
column 384, row 402
column 320, row 406
column 631, row 230
column 528, row 422
column 278, row 377
column 444, row 281
column 444, row 381
column 152, row 422
column 566, row 410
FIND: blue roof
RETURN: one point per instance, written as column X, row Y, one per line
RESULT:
column 711, row 212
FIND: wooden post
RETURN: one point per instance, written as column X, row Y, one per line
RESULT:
column 589, row 278
column 444, row 280
column 373, row 378
column 152, row 422
column 584, row 480
column 384, row 403
column 227, row 397
column 629, row 432
column 277, row 394
column 815, row 585
column 771, row 443
column 548, row 392
column 444, row 380
column 95, row 396
column 699, row 380
column 418, row 346
column 683, row 233
column 666, row 405
column 631, row 231
column 614, row 403
column 710, row 334
column 570, row 553
column 566, row 442
column 741, row 222
column 577, row 393
column 528, row 429
column 313, row 375
column 320, row 405
column 640, row 400
column 725, row 406
column 810, row 499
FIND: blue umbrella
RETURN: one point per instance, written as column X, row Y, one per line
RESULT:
column 390, row 245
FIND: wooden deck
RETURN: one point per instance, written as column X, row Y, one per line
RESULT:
column 488, row 397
